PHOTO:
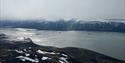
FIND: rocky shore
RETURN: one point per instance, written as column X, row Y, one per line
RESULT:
column 28, row 52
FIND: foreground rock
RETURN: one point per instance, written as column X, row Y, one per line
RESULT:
column 28, row 52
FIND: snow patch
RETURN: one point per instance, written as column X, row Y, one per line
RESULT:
column 63, row 60
column 44, row 52
column 30, row 47
column 27, row 58
column 24, row 49
column 64, row 55
column 19, row 51
column 45, row 58
column 26, row 54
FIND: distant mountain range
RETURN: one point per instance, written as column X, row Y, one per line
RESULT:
column 113, row 25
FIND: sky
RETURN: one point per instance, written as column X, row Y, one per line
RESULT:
column 62, row 9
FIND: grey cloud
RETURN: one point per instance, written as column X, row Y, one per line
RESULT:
column 36, row 9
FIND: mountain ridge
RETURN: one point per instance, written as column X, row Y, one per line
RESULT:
column 112, row 26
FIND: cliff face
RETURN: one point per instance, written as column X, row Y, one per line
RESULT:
column 28, row 52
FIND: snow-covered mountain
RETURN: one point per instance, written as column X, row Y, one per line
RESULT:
column 115, row 25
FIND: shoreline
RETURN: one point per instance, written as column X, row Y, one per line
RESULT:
column 27, row 51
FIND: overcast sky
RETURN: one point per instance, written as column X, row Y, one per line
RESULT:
column 56, row 9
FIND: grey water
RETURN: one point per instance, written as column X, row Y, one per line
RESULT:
column 108, row 43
